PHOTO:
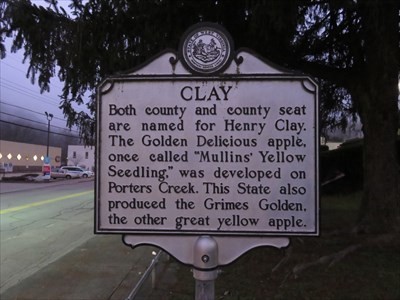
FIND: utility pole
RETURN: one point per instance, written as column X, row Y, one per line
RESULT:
column 49, row 118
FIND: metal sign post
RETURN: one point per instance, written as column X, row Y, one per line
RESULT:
column 205, row 267
column 207, row 153
column 206, row 254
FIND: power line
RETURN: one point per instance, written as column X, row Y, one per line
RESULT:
column 37, row 129
column 22, row 71
column 11, row 66
column 20, row 87
column 26, row 93
column 34, row 121
column 20, row 107
column 27, row 109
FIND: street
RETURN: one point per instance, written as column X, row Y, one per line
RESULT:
column 40, row 225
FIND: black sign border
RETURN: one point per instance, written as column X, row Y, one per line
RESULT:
column 108, row 84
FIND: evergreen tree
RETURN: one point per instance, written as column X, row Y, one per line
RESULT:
column 351, row 46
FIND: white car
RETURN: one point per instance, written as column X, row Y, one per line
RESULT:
column 60, row 173
column 82, row 173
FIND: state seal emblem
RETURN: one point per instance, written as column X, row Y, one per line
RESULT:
column 206, row 49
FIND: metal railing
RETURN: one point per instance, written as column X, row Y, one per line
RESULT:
column 151, row 269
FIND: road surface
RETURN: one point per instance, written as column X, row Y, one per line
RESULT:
column 38, row 226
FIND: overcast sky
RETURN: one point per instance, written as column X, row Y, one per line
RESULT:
column 20, row 98
column 18, row 90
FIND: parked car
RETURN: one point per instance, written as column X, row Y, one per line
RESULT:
column 77, row 170
column 60, row 173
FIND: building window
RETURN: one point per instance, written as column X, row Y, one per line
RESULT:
column 86, row 155
column 74, row 154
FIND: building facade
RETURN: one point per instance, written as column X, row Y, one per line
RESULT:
column 22, row 157
column 81, row 156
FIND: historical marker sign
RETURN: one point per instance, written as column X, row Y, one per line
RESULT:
column 183, row 152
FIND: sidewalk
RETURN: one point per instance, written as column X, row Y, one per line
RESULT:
column 101, row 268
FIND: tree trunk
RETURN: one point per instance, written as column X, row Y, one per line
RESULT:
column 376, row 94
column 380, row 207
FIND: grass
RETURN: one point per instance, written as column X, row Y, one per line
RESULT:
column 369, row 271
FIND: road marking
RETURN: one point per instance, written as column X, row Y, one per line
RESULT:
column 17, row 208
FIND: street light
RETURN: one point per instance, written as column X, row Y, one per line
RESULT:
column 49, row 118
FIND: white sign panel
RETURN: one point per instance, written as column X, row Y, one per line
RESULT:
column 194, row 155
